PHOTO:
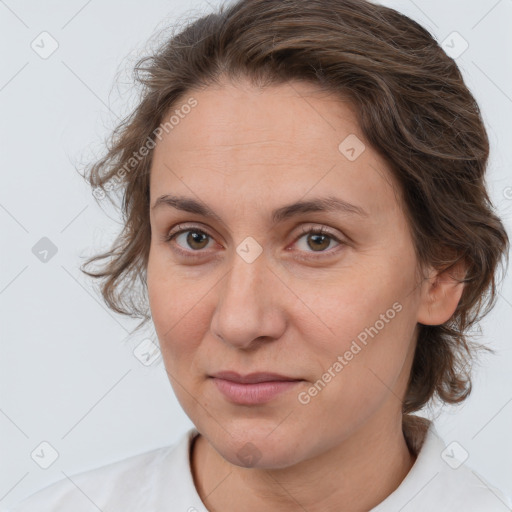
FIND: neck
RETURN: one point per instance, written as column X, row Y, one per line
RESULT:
column 359, row 473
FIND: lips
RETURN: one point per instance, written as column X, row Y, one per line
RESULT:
column 254, row 388
column 252, row 378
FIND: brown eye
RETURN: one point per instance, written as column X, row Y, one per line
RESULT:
column 317, row 240
column 194, row 239
column 190, row 240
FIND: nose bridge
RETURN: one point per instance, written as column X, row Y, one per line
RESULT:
column 246, row 309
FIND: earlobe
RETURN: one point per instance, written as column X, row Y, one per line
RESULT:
column 440, row 294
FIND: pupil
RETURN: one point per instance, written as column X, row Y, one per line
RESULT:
column 316, row 237
column 194, row 236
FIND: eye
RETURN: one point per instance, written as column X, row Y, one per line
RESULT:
column 191, row 239
column 317, row 240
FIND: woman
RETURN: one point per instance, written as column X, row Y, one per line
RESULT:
column 305, row 206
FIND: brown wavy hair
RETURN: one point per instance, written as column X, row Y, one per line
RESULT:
column 413, row 107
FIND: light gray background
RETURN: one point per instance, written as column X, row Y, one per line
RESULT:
column 68, row 375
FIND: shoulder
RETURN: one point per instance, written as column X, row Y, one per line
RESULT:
column 134, row 483
column 464, row 487
column 442, row 481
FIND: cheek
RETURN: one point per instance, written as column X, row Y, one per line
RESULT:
column 359, row 304
column 177, row 304
column 368, row 319
column 363, row 369
column 366, row 356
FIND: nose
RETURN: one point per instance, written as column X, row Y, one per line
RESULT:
column 250, row 309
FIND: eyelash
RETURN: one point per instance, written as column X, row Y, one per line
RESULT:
column 167, row 238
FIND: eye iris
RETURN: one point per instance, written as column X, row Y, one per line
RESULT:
column 316, row 241
column 316, row 238
column 193, row 237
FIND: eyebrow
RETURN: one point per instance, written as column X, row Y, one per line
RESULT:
column 321, row 204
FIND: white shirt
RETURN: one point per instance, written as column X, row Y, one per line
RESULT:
column 161, row 481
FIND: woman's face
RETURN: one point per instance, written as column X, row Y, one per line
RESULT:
column 248, row 288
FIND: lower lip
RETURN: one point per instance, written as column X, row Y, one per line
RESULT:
column 253, row 394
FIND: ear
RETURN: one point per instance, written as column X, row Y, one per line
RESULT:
column 440, row 294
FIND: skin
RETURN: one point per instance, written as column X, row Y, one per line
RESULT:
column 245, row 151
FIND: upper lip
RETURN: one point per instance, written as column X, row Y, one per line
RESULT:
column 251, row 378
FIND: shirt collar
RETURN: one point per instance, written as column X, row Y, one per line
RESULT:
column 421, row 437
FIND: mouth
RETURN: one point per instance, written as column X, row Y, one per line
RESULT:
column 254, row 388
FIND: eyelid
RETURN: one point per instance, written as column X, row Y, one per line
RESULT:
column 322, row 230
column 305, row 229
column 180, row 228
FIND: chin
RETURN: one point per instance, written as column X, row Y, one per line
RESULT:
column 256, row 455
column 257, row 447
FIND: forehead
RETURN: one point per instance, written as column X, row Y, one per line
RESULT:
column 278, row 142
